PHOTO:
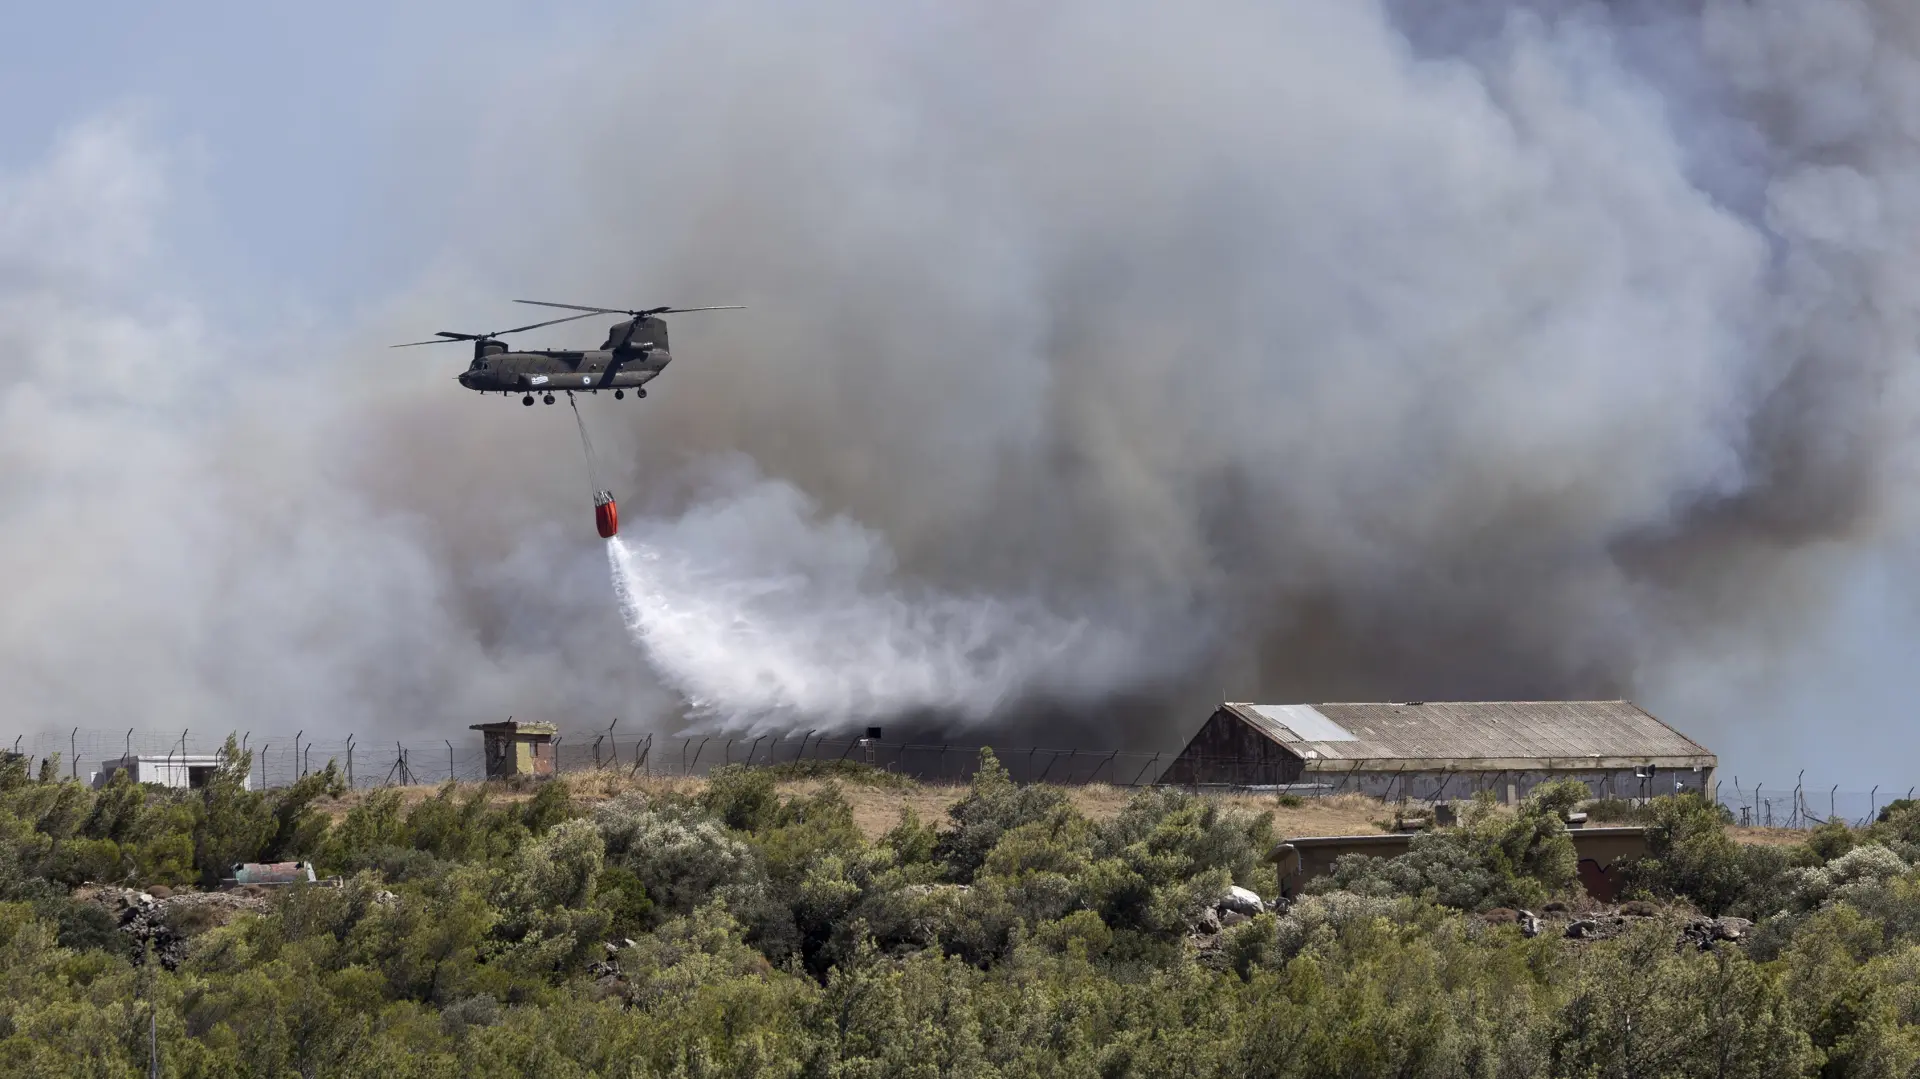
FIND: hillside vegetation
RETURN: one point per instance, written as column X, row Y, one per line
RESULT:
column 755, row 926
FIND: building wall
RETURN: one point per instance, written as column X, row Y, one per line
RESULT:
column 1599, row 850
column 1227, row 751
column 175, row 773
column 1437, row 785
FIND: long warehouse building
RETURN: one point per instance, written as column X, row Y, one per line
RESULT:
column 1432, row 750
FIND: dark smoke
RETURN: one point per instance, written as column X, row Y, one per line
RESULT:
column 1296, row 351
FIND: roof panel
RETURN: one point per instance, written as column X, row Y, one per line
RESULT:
column 1306, row 722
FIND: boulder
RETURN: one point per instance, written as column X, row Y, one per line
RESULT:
column 1242, row 900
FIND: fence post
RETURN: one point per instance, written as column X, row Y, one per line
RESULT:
column 1143, row 770
column 751, row 750
column 703, row 749
column 264, row 746
column 73, row 749
column 802, row 751
column 613, row 747
column 1873, row 804
column 349, row 762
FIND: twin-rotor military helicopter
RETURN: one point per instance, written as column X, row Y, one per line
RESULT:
column 634, row 354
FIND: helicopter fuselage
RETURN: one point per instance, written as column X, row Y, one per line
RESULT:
column 548, row 371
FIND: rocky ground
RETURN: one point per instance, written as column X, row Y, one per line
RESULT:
column 1605, row 923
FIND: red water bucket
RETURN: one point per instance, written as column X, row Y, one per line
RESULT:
column 606, row 515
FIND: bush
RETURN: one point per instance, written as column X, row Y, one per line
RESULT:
column 1690, row 856
column 680, row 856
column 1491, row 860
column 992, row 807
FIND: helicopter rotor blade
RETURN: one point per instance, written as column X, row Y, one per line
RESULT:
column 577, row 307
column 537, row 325
column 447, row 335
column 636, row 314
column 436, row 341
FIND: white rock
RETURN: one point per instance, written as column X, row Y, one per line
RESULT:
column 1244, row 900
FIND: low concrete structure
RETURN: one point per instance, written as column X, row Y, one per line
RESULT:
column 1600, row 851
column 1432, row 750
column 518, row 749
column 183, row 771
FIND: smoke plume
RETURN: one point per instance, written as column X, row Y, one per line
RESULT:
column 1298, row 350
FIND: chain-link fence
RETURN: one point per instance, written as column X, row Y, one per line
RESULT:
column 278, row 759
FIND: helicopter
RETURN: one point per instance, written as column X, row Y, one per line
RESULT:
column 634, row 354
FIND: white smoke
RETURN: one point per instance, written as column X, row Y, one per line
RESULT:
column 764, row 615
column 1360, row 349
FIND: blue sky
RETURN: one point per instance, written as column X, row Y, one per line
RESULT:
column 295, row 134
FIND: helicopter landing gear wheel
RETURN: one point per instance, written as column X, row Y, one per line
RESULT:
column 639, row 393
column 619, row 395
column 548, row 399
column 527, row 400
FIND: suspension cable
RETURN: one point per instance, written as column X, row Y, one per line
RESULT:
column 586, row 444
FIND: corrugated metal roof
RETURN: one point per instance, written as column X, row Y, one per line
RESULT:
column 1475, row 730
column 1302, row 722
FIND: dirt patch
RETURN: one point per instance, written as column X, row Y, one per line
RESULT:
column 163, row 925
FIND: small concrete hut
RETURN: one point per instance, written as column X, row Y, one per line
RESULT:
column 518, row 749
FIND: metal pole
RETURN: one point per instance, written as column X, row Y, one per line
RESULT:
column 613, row 747
column 802, row 751
column 1873, row 803
column 683, row 757
column 73, row 747
column 449, row 743
column 1830, row 796
column 16, row 745
column 726, row 752
column 1143, row 770
column 349, row 762
column 703, row 749
column 296, row 751
column 264, row 746
column 751, row 750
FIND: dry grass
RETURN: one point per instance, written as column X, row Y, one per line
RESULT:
column 1768, row 837
column 877, row 809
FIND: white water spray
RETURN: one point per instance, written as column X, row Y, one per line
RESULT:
column 761, row 614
